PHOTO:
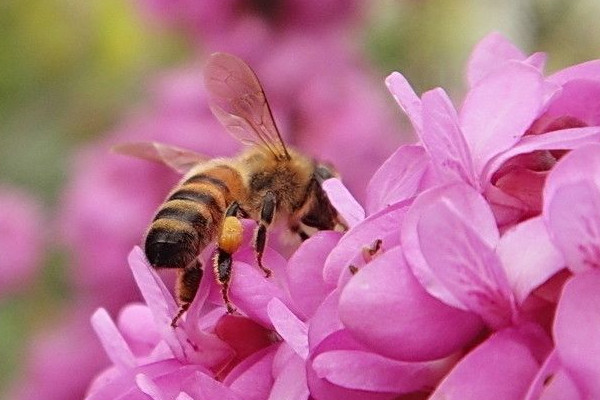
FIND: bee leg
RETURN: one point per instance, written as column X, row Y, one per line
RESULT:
column 267, row 213
column 188, row 282
column 223, row 262
column 229, row 240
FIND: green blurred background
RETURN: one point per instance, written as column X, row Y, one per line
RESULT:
column 71, row 70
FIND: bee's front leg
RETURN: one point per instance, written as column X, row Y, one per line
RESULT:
column 267, row 213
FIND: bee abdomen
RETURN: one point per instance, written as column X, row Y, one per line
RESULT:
column 184, row 225
column 171, row 243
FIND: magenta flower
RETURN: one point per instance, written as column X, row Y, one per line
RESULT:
column 492, row 146
column 448, row 284
column 22, row 238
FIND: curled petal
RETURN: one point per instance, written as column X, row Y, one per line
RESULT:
column 385, row 308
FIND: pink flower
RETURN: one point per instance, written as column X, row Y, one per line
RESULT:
column 149, row 355
column 489, row 144
column 22, row 238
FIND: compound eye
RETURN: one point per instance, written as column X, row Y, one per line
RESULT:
column 324, row 172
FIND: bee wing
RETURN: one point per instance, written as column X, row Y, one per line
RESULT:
column 238, row 101
column 176, row 158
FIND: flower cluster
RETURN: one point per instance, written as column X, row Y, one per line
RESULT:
column 471, row 272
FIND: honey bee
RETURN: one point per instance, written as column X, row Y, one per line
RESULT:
column 267, row 181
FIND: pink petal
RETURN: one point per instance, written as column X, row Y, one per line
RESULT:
column 290, row 383
column 490, row 53
column 576, row 331
column 491, row 126
column 545, row 377
column 449, row 235
column 366, row 371
column 293, row 331
column 561, row 387
column 209, row 389
column 322, row 389
column 586, row 70
column 305, row 271
column 537, row 60
column 362, row 235
column 398, row 178
column 113, row 342
column 444, row 141
column 501, row 367
column 580, row 99
column 417, row 326
column 406, row 98
column 137, row 326
column 528, row 256
column 575, row 230
column 507, row 209
column 565, row 139
column 205, row 349
column 148, row 387
column 325, row 322
column 250, row 292
column 345, row 204
column 252, row 378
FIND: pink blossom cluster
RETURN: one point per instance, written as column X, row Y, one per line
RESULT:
column 470, row 272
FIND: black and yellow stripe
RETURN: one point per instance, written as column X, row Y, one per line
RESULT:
column 189, row 219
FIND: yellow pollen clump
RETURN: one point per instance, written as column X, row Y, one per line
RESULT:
column 230, row 238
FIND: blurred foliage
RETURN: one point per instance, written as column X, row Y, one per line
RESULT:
column 70, row 70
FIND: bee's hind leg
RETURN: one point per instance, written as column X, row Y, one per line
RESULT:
column 229, row 240
column 223, row 262
column 188, row 282
column 267, row 213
